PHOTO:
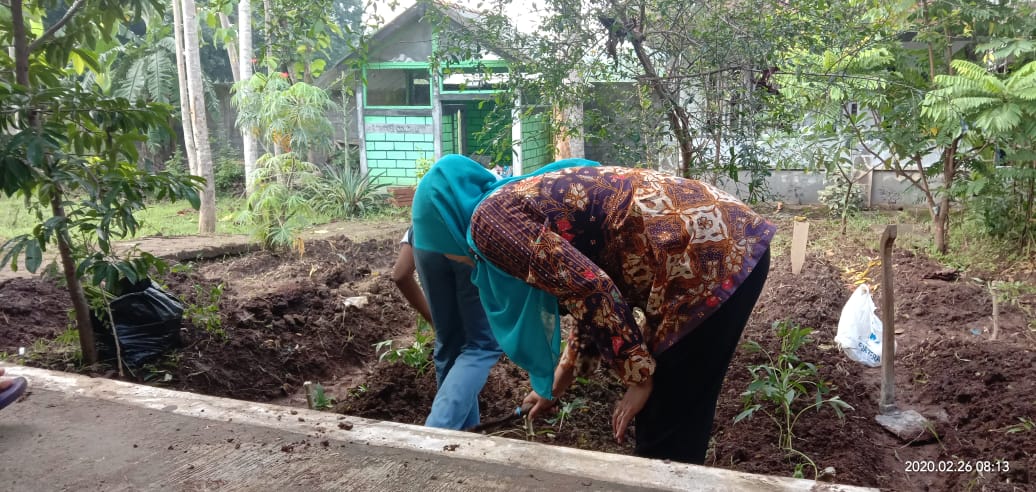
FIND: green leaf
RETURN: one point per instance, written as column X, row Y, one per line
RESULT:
column 33, row 256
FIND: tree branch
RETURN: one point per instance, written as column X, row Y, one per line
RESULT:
column 72, row 11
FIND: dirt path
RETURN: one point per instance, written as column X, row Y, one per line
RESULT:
column 198, row 247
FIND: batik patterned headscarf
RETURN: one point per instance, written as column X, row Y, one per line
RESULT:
column 524, row 319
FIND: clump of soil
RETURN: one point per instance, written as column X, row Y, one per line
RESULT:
column 285, row 320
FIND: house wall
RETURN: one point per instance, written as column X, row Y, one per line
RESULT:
column 449, row 135
column 413, row 44
column 476, row 143
column 536, row 149
column 394, row 144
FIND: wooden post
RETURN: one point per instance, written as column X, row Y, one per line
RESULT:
column 799, row 235
column 888, row 314
column 993, row 292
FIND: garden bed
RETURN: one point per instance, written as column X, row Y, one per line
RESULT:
column 284, row 320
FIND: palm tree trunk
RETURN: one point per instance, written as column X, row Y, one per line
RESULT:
column 207, row 212
column 185, row 101
column 244, row 49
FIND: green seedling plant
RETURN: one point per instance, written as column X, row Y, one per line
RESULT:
column 1024, row 424
column 205, row 314
column 566, row 411
column 785, row 387
column 320, row 399
column 417, row 355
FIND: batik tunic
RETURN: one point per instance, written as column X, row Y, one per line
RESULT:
column 604, row 240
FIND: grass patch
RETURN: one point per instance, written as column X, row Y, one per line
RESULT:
column 163, row 218
column 970, row 249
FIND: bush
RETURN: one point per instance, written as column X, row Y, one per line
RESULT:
column 833, row 197
column 340, row 192
column 228, row 173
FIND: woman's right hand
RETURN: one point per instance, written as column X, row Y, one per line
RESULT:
column 539, row 405
column 563, row 378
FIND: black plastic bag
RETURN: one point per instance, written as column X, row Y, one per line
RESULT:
column 147, row 322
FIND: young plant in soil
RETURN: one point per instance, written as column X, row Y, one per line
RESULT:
column 205, row 313
column 417, row 355
column 782, row 384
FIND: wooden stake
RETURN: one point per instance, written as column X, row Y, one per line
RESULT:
column 799, row 234
column 996, row 309
column 887, row 403
column 308, row 387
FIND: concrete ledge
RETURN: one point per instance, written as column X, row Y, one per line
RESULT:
column 620, row 470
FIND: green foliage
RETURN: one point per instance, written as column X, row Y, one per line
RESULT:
column 279, row 208
column 785, row 387
column 290, row 117
column 833, row 196
column 423, row 165
column 204, row 311
column 320, row 399
column 566, row 411
column 342, row 192
column 418, row 355
column 83, row 160
column 1025, row 425
column 228, row 172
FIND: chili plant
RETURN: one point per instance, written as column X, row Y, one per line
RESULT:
column 785, row 386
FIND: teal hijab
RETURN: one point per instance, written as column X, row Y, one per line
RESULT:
column 524, row 319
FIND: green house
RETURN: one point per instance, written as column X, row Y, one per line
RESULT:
column 406, row 112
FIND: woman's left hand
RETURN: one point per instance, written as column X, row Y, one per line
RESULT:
column 630, row 405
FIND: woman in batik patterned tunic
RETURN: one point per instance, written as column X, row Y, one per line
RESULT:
column 603, row 241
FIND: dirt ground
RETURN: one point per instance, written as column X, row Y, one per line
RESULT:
column 286, row 319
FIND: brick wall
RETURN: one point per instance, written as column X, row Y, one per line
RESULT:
column 536, row 151
column 394, row 144
column 449, row 136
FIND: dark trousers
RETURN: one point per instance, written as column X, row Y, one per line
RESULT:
column 677, row 419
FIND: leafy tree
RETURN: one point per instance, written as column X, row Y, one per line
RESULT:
column 867, row 94
column 291, row 122
column 71, row 151
column 1003, row 113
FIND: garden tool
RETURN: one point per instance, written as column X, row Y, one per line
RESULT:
column 908, row 425
column 499, row 422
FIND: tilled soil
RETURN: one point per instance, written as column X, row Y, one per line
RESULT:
column 286, row 319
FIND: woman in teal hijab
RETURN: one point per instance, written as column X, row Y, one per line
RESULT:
column 524, row 319
column 603, row 242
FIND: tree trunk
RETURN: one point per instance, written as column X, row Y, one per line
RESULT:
column 942, row 215
column 21, row 44
column 190, row 151
column 267, row 28
column 207, row 212
column 244, row 49
column 75, row 289
column 231, row 49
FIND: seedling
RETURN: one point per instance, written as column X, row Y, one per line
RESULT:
column 566, row 411
column 320, row 400
column 205, row 314
column 417, row 355
column 783, row 382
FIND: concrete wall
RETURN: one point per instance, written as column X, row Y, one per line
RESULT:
column 880, row 188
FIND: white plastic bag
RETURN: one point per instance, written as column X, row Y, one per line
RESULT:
column 859, row 329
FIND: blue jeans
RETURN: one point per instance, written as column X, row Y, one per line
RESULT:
column 465, row 349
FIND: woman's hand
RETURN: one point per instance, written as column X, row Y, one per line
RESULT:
column 537, row 404
column 563, row 377
column 630, row 405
